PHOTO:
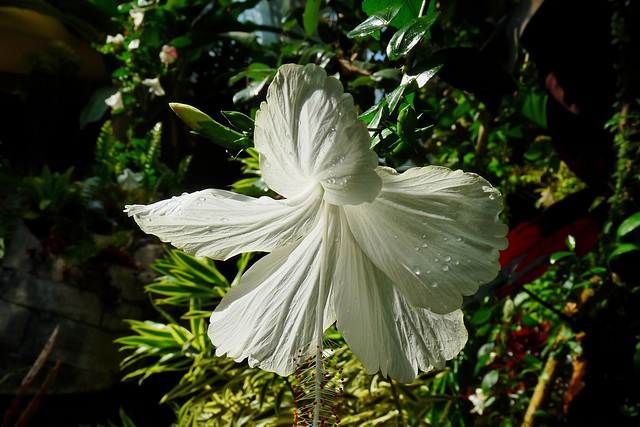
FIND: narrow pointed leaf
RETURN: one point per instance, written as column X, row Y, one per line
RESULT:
column 375, row 22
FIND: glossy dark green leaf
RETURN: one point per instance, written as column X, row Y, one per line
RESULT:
column 629, row 224
column 375, row 22
column 623, row 249
column 409, row 9
column 409, row 35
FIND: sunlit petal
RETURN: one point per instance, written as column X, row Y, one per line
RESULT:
column 220, row 224
column 271, row 314
column 307, row 130
column 382, row 329
column 434, row 232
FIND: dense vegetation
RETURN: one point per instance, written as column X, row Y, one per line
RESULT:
column 551, row 119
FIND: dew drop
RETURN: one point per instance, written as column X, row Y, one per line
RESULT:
column 428, row 272
column 435, row 260
column 395, row 237
column 445, row 238
column 202, row 199
column 416, row 271
column 457, row 263
column 267, row 165
column 492, row 196
column 445, row 268
column 148, row 219
column 447, row 258
column 424, row 236
column 434, row 285
column 424, row 245
column 458, row 239
column 224, row 219
column 417, row 248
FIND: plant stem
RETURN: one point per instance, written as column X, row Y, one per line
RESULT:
column 319, row 368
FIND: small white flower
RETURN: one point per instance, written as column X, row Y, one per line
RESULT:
column 479, row 400
column 130, row 180
column 115, row 101
column 384, row 256
column 154, row 86
column 138, row 16
column 117, row 39
column 169, row 54
column 134, row 44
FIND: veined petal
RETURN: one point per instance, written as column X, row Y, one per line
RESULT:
column 383, row 330
column 220, row 224
column 307, row 131
column 434, row 232
column 270, row 315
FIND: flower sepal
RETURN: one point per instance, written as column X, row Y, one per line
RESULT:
column 203, row 125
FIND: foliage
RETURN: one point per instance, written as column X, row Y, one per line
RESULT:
column 398, row 60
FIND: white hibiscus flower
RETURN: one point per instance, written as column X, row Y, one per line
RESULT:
column 384, row 256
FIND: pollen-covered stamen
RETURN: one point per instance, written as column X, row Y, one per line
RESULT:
column 317, row 395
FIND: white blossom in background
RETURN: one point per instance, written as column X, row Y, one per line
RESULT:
column 154, row 86
column 115, row 101
column 138, row 16
column 480, row 401
column 387, row 257
column 134, row 44
column 117, row 39
column 168, row 54
column 130, row 180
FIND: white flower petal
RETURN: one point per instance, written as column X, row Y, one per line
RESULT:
column 270, row 316
column 382, row 329
column 308, row 130
column 434, row 232
column 220, row 224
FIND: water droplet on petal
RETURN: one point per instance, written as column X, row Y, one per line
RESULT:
column 267, row 165
column 445, row 268
column 224, row 219
column 202, row 199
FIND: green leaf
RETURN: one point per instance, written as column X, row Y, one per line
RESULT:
column 616, row 119
column 559, row 255
column 409, row 35
column 205, row 126
column 481, row 316
column 489, row 380
column 629, row 224
column 409, row 9
column 533, row 107
column 311, row 16
column 622, row 249
column 375, row 22
column 239, row 121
